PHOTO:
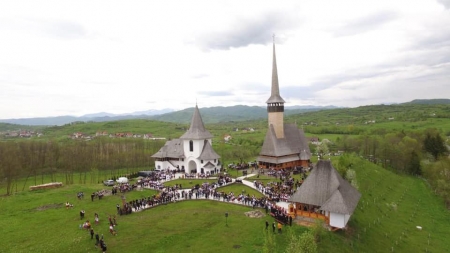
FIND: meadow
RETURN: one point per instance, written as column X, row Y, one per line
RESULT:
column 39, row 222
column 385, row 220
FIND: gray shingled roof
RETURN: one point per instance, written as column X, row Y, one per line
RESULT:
column 275, row 94
column 208, row 152
column 278, row 160
column 197, row 130
column 209, row 165
column 294, row 142
column 324, row 187
column 172, row 148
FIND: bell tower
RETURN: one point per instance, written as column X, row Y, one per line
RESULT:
column 275, row 104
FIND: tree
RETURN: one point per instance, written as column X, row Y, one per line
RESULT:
column 435, row 145
column 322, row 149
column 414, row 166
column 305, row 243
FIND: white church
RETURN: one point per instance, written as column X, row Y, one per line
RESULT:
column 191, row 153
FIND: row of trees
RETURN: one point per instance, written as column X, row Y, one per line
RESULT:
column 416, row 153
column 34, row 159
column 401, row 151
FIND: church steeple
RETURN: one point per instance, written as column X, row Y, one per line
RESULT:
column 275, row 104
column 197, row 130
column 275, row 94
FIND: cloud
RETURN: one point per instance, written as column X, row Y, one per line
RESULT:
column 199, row 76
column 216, row 93
column 433, row 40
column 55, row 28
column 445, row 3
column 366, row 24
column 246, row 31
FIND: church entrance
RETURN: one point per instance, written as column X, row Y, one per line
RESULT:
column 192, row 167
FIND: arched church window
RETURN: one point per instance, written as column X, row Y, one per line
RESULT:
column 191, row 146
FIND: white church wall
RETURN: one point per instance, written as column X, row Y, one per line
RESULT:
column 337, row 220
column 347, row 217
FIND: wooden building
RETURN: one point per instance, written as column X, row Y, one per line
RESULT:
column 285, row 145
column 326, row 195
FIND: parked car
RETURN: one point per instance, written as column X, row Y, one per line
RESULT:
column 108, row 182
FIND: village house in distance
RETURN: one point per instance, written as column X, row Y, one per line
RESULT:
column 285, row 145
column 192, row 152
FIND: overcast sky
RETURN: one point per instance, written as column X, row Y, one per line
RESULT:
column 80, row 57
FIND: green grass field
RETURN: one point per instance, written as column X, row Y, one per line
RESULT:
column 390, row 208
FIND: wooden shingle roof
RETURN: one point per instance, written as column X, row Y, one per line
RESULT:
column 197, row 130
column 324, row 187
column 172, row 148
column 275, row 94
column 208, row 152
column 293, row 143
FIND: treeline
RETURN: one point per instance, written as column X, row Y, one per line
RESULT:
column 416, row 153
column 35, row 159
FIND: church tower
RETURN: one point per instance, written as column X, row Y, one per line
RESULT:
column 275, row 104
column 285, row 146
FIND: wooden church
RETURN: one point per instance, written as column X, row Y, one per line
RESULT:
column 285, row 145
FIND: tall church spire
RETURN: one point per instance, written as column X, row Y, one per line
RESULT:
column 275, row 94
column 275, row 104
column 197, row 129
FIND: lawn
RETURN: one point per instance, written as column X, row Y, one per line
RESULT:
column 388, row 212
column 30, row 218
column 385, row 219
column 238, row 188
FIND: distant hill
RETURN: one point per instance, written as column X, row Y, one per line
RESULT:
column 94, row 117
column 232, row 113
column 209, row 115
column 442, row 101
column 216, row 114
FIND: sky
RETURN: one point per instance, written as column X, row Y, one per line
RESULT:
column 80, row 57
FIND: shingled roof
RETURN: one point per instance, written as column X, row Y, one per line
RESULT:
column 208, row 152
column 324, row 187
column 197, row 130
column 275, row 94
column 293, row 143
column 172, row 148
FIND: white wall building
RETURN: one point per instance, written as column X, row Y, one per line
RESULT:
column 192, row 152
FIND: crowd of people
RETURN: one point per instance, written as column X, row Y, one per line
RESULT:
column 273, row 192
column 86, row 225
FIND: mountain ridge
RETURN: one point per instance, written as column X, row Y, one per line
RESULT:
column 214, row 114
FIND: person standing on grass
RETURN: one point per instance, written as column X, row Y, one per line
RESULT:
column 97, row 239
column 111, row 229
column 81, row 214
column 279, row 227
column 103, row 246
column 96, row 218
column 273, row 227
column 267, row 225
column 92, row 233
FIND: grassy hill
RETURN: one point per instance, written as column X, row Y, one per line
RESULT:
column 390, row 208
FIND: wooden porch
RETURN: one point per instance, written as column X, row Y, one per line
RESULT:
column 307, row 211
